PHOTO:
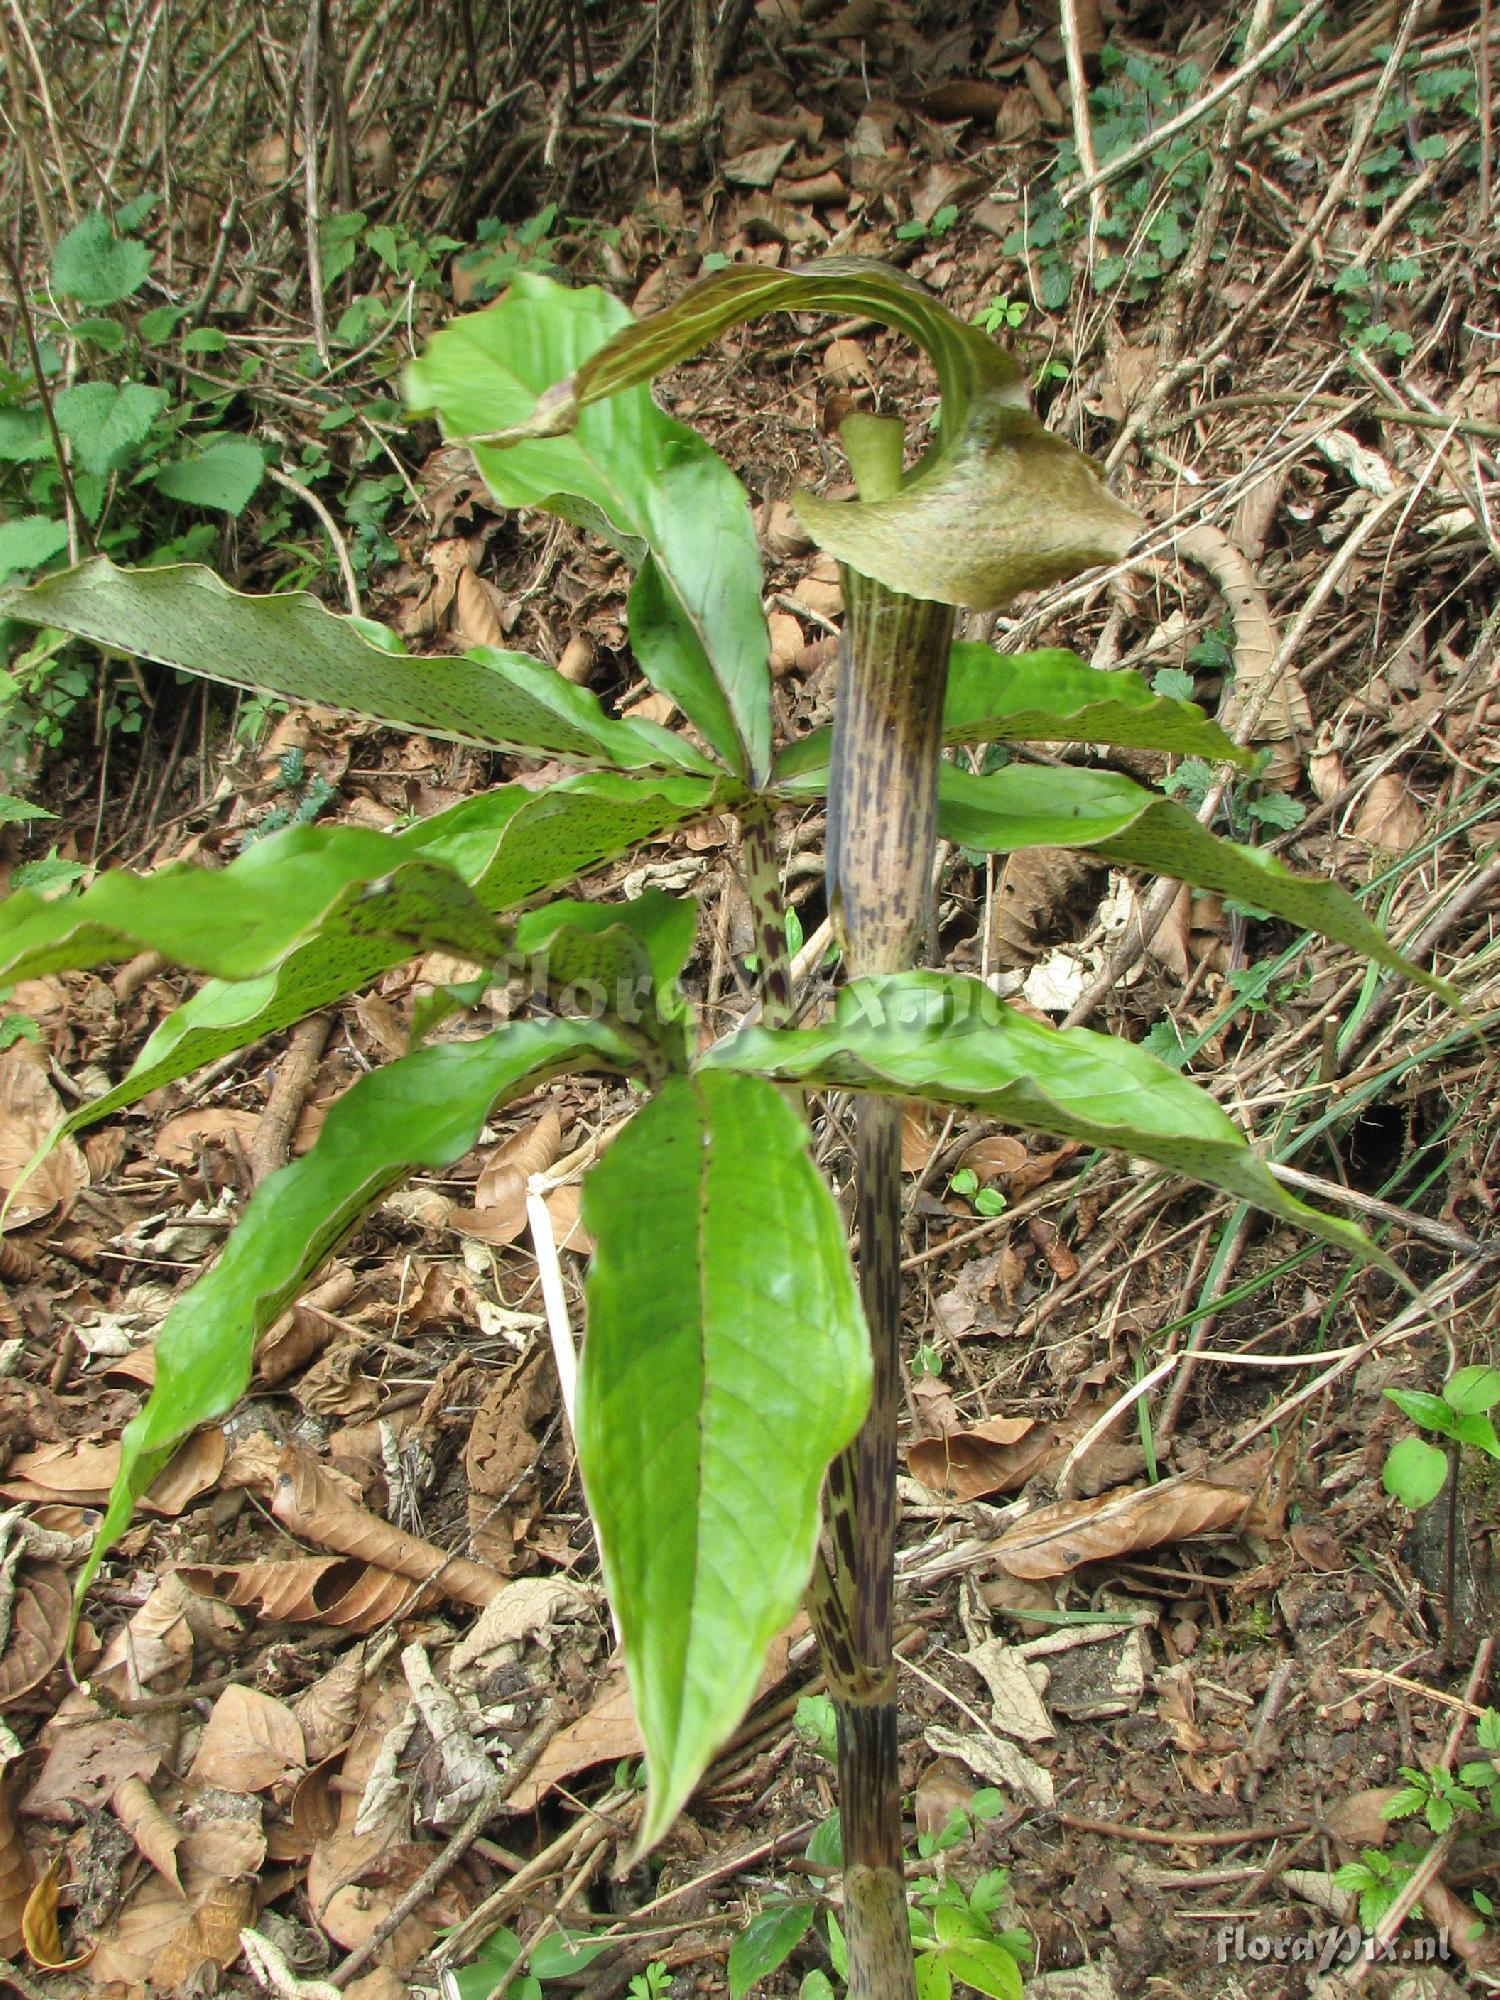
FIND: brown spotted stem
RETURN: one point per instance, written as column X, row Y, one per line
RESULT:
column 882, row 830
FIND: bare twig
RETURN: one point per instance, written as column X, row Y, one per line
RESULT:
column 330, row 528
column 1191, row 114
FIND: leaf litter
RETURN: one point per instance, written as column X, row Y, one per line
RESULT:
column 247, row 1748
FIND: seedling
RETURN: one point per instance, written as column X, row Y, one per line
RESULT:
column 937, row 224
column 738, row 1395
column 1002, row 312
column 1416, row 1471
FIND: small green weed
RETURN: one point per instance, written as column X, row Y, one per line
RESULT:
column 1416, row 1471
column 937, row 224
column 1364, row 296
column 986, row 1200
column 1002, row 311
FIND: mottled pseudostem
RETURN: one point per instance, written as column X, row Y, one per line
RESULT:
column 882, row 829
column 763, row 887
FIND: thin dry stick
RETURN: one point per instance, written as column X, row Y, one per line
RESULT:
column 586, row 1832
column 273, row 1135
column 310, row 174
column 1185, row 293
column 454, row 1848
column 1145, row 411
column 1189, row 116
column 21, row 120
column 1083, row 131
column 39, row 71
column 330, row 528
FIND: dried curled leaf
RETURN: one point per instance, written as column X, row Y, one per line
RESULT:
column 995, row 1457
column 38, row 1629
column 15, row 1877
column 1050, row 1541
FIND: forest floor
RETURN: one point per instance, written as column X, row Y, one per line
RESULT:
column 1276, row 328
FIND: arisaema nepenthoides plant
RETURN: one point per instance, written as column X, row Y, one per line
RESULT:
column 737, row 1403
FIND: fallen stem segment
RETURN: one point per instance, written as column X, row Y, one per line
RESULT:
column 887, row 737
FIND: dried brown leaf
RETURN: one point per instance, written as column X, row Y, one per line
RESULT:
column 153, row 1834
column 333, row 1591
column 168, row 1938
column 15, row 1876
column 84, row 1473
column 180, row 1142
column 995, row 1457
column 1052, row 1540
column 1390, row 818
column 329, row 1708
column 38, row 1629
column 605, row 1733
column 477, row 610
column 89, row 1756
column 309, row 1502
column 29, row 1110
column 39, row 1927
column 355, row 1880
column 250, row 1742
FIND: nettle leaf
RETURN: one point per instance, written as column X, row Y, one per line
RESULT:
column 506, row 844
column 948, row 1040
column 96, row 267
column 998, row 506
column 1045, row 697
column 293, row 646
column 726, row 1362
column 425, row 1110
column 223, row 476
column 1029, row 806
column 105, row 422
column 648, row 485
column 29, row 541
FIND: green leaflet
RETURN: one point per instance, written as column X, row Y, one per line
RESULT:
column 184, row 616
column 650, row 486
column 1025, row 805
column 508, row 844
column 998, row 506
column 425, row 1110
column 948, row 1040
column 350, row 886
column 970, row 366
column 1047, row 697
column 508, row 849
column 620, row 958
column 726, row 1362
